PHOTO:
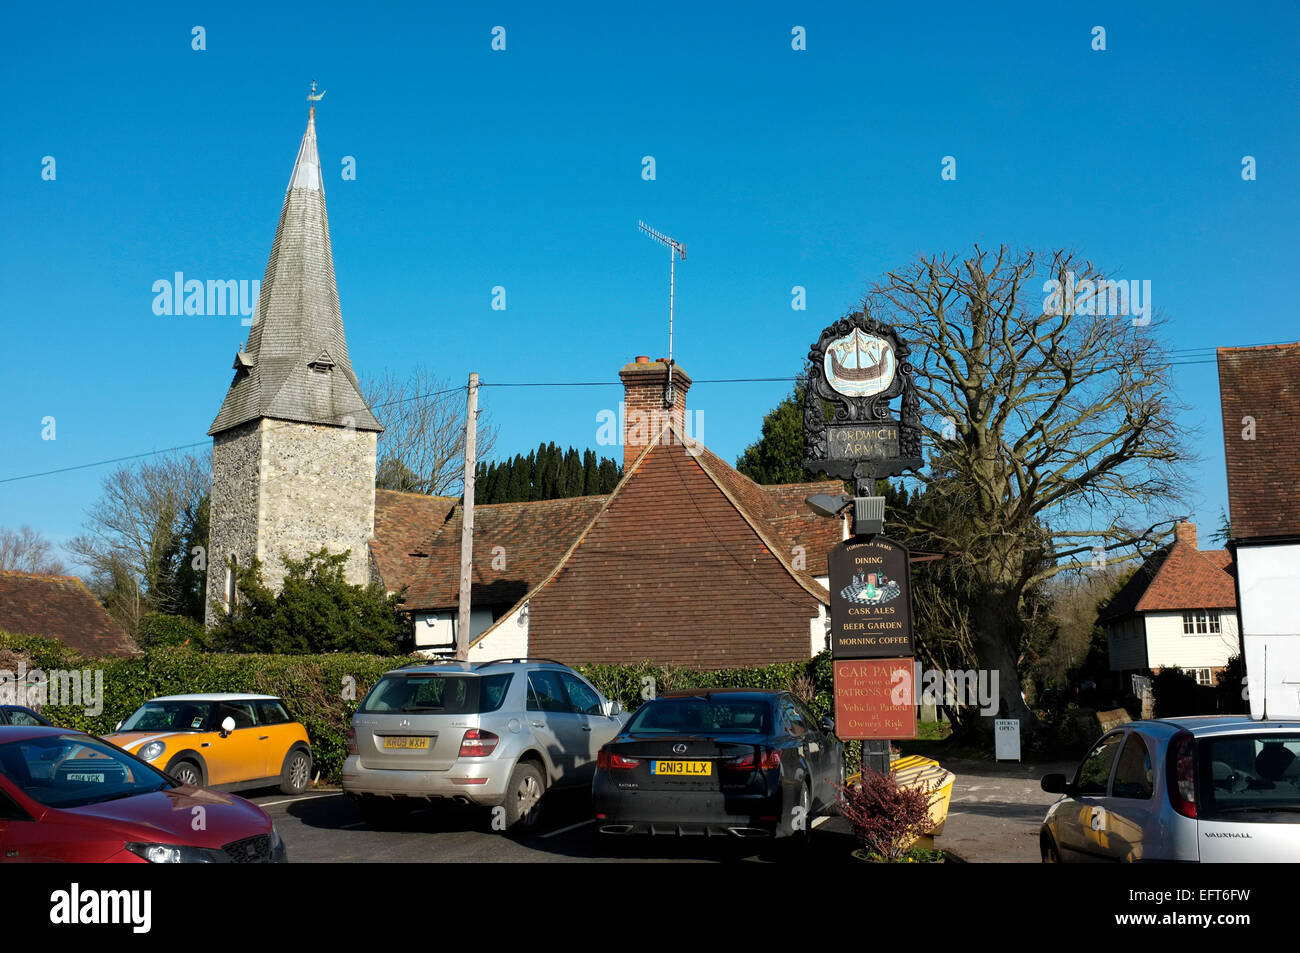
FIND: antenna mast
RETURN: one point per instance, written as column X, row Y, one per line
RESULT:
column 675, row 248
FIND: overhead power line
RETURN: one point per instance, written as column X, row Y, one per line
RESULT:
column 1181, row 357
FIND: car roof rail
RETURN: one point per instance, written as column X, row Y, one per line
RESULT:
column 435, row 660
column 516, row 661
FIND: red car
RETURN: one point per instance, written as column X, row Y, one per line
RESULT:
column 68, row 796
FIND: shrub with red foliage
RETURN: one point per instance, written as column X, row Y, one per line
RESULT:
column 886, row 818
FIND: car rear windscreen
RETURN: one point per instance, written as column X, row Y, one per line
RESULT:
column 702, row 716
column 436, row 693
column 1246, row 776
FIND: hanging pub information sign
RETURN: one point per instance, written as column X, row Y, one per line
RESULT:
column 871, row 614
column 859, row 365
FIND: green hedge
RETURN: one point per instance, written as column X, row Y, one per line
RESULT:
column 312, row 686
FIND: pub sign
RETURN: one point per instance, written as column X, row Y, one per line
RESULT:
column 871, row 599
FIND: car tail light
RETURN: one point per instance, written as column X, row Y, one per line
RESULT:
column 1181, row 770
column 769, row 759
column 609, row 761
column 478, row 743
column 352, row 742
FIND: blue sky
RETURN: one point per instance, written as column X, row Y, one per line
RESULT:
column 522, row 168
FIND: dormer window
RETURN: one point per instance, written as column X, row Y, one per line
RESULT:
column 323, row 363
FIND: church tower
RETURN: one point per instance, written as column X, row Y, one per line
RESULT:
column 293, row 446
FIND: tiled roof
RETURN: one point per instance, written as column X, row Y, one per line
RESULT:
column 298, row 322
column 677, row 568
column 1176, row 577
column 405, row 524
column 1262, row 383
column 60, row 607
column 534, row 537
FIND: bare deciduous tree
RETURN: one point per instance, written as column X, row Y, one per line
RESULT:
column 130, row 544
column 26, row 550
column 422, row 447
column 1053, row 426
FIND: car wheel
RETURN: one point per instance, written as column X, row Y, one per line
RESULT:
column 186, row 772
column 1047, row 846
column 524, row 798
column 841, row 782
column 801, row 821
column 296, row 773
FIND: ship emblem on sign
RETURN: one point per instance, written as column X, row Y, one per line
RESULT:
column 860, row 364
column 871, row 589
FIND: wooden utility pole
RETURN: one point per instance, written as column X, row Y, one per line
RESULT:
column 467, row 520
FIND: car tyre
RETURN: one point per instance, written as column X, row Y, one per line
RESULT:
column 800, row 839
column 295, row 775
column 524, row 795
column 834, row 808
column 1047, row 847
column 186, row 772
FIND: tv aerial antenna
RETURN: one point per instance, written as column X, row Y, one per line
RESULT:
column 675, row 249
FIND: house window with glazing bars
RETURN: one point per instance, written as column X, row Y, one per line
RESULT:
column 1201, row 622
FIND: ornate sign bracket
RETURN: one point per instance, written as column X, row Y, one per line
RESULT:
column 859, row 365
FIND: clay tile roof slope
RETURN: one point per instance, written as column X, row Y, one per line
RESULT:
column 1262, row 383
column 1174, row 578
column 405, row 523
column 60, row 607
column 533, row 538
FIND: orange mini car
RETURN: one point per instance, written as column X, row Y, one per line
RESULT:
column 224, row 741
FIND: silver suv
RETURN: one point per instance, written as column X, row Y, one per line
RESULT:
column 497, row 733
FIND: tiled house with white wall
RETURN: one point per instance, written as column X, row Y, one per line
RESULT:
column 1179, row 609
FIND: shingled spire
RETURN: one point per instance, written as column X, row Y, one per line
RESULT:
column 295, row 366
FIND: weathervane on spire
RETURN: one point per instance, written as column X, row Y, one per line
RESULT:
column 313, row 97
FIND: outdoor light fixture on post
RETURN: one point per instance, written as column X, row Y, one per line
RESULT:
column 868, row 511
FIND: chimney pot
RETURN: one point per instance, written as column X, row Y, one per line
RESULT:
column 643, row 359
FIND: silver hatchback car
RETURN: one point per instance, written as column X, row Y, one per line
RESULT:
column 1218, row 788
column 494, row 734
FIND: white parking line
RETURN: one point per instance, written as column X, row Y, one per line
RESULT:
column 301, row 797
column 818, row 821
column 571, row 827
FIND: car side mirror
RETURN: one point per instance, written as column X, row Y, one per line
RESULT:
column 613, row 708
column 118, row 726
column 828, row 724
column 227, row 726
column 1056, row 784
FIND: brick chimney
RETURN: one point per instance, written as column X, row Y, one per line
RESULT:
column 1185, row 533
column 643, row 411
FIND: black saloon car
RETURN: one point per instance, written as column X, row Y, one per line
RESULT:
column 738, row 762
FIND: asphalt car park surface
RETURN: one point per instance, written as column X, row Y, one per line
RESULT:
column 326, row 827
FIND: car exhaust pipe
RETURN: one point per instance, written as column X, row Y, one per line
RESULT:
column 616, row 829
column 748, row 832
